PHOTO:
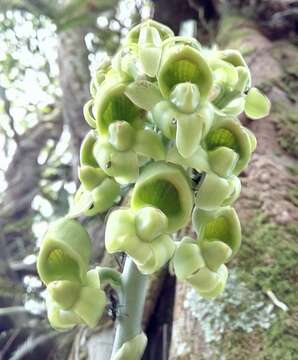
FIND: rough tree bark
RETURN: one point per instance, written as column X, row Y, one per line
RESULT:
column 266, row 181
column 74, row 82
column 23, row 176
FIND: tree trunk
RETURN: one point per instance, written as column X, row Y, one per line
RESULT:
column 16, row 213
column 74, row 81
column 265, row 190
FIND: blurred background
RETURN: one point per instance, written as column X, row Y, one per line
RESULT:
column 48, row 51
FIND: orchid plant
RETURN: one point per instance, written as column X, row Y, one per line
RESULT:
column 164, row 123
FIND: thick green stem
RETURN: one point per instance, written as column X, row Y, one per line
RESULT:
column 131, row 304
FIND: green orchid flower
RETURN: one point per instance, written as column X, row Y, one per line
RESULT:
column 73, row 294
column 189, row 265
column 166, row 187
column 111, row 104
column 70, row 303
column 211, row 190
column 142, row 235
column 219, row 235
column 184, row 117
column 184, row 80
column 122, row 152
column 229, row 147
column 64, row 253
column 182, row 63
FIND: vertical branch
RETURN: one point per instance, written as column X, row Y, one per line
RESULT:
column 131, row 300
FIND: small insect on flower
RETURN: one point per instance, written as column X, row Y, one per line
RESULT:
column 113, row 306
column 120, row 260
column 196, row 178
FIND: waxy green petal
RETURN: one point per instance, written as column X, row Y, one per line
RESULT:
column 143, row 94
column 257, row 105
column 86, row 150
column 187, row 260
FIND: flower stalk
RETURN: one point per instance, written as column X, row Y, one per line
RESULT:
column 131, row 304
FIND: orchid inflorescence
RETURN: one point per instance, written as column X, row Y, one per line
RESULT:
column 164, row 118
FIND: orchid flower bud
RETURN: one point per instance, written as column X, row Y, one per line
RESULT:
column 215, row 191
column 64, row 253
column 142, row 235
column 235, row 58
column 166, row 187
column 257, row 105
column 219, row 235
column 180, row 64
column 111, row 104
column 132, row 349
